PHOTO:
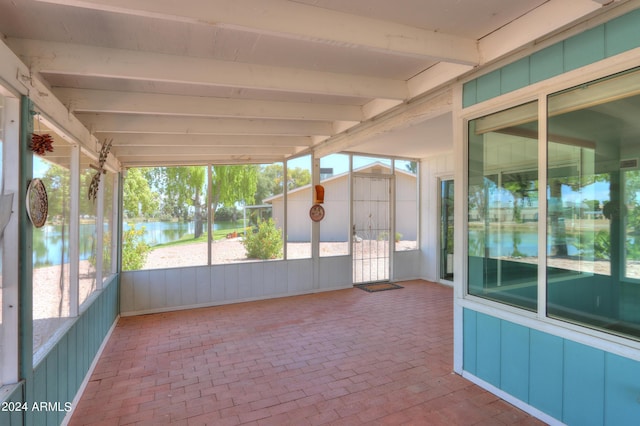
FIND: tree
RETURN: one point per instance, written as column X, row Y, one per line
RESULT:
column 412, row 167
column 231, row 185
column 182, row 188
column 57, row 181
column 297, row 177
column 138, row 198
column 270, row 180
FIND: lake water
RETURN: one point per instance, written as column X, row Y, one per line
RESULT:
column 47, row 241
column 509, row 241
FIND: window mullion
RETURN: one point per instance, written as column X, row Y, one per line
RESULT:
column 542, row 207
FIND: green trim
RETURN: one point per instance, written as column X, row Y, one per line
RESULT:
column 25, row 271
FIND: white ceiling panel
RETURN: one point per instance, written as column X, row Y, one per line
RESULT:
column 192, row 81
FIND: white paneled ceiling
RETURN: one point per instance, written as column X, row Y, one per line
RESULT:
column 224, row 81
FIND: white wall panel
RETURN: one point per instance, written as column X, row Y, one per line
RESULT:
column 127, row 284
column 172, row 279
column 203, row 284
column 269, row 276
column 406, row 265
column 188, row 286
column 141, row 290
column 217, row 284
column 182, row 288
column 231, row 290
column 158, row 288
column 257, row 280
column 431, row 169
column 244, row 282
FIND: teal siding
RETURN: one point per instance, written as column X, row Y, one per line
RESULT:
column 488, row 349
column 13, row 418
column 57, row 378
column 584, row 49
column 469, row 91
column 546, row 382
column 616, row 36
column 515, row 76
column 583, row 385
column 622, row 387
column 514, row 360
column 547, row 63
column 569, row 381
column 622, row 34
column 488, row 86
column 469, row 340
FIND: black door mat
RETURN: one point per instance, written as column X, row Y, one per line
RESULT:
column 373, row 287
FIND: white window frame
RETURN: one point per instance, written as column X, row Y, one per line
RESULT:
column 9, row 357
column 535, row 320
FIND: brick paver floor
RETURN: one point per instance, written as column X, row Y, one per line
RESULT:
column 342, row 358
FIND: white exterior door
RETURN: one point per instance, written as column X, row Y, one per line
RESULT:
column 371, row 239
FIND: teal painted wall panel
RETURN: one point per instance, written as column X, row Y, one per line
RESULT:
column 584, row 48
column 59, row 375
column 63, row 372
column 622, row 390
column 583, row 394
column 72, row 351
column 469, row 343
column 51, row 376
column 469, row 94
column 488, row 86
column 569, row 381
column 514, row 356
column 515, row 76
column 547, row 63
column 39, row 384
column 488, row 349
column 546, row 380
column 623, row 33
column 13, row 417
column 614, row 37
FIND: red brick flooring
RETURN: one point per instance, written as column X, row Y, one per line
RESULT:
column 342, row 358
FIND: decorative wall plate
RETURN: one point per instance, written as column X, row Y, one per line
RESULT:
column 316, row 213
column 37, row 203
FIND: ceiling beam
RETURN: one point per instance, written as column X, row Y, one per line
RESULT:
column 83, row 60
column 543, row 21
column 402, row 116
column 86, row 100
column 157, row 161
column 206, row 152
column 132, row 123
column 162, row 140
column 300, row 21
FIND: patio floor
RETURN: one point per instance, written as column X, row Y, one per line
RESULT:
column 342, row 358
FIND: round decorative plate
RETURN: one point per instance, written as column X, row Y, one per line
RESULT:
column 316, row 213
column 37, row 203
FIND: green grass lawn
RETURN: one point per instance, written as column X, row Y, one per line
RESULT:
column 219, row 234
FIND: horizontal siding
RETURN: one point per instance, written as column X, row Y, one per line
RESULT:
column 572, row 382
column 606, row 40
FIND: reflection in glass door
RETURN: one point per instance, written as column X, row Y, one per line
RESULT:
column 446, row 229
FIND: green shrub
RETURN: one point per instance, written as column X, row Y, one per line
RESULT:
column 134, row 249
column 384, row 235
column 266, row 243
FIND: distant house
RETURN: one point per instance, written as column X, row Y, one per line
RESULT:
column 335, row 225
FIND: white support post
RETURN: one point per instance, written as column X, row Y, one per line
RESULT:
column 10, row 263
column 100, row 233
column 74, row 233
